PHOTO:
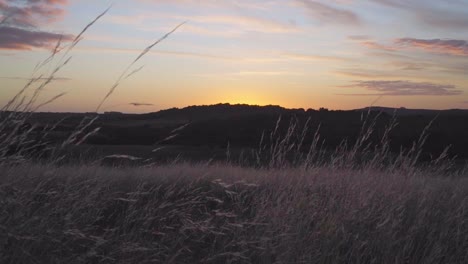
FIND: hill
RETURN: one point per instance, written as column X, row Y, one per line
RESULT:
column 242, row 126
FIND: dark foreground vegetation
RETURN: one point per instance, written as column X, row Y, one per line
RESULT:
column 209, row 129
column 225, row 214
column 289, row 200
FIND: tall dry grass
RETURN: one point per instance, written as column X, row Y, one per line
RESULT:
column 226, row 214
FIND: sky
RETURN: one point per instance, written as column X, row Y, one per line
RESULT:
column 338, row 54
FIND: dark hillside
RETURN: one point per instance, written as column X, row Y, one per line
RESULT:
column 242, row 126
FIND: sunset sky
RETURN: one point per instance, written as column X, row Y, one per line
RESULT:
column 339, row 54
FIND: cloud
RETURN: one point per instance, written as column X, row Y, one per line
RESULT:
column 394, row 69
column 359, row 37
column 327, row 14
column 36, row 79
column 269, row 57
column 368, row 73
column 14, row 38
column 30, row 13
column 227, row 18
column 247, row 23
column 141, row 104
column 375, row 45
column 405, row 88
column 454, row 47
column 449, row 14
column 213, row 24
column 225, row 4
column 311, row 57
column 267, row 73
column 457, row 68
column 405, row 67
column 448, row 46
column 158, row 52
column 390, row 55
column 411, row 66
column 394, row 3
column 448, row 20
column 21, row 20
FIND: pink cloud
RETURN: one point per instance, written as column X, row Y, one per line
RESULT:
column 375, row 45
column 449, row 14
column 448, row 46
column 455, row 47
column 328, row 14
column 21, row 19
column 33, row 12
column 14, row 38
column 405, row 88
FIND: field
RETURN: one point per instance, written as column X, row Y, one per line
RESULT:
column 219, row 213
column 287, row 201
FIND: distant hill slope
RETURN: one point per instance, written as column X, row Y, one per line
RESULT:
column 405, row 111
column 243, row 126
column 220, row 111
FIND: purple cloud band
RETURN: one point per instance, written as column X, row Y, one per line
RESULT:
column 447, row 46
column 141, row 104
column 454, row 47
column 14, row 38
column 405, row 88
column 328, row 14
column 429, row 12
column 21, row 20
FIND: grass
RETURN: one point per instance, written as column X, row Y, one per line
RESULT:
column 226, row 214
column 296, row 204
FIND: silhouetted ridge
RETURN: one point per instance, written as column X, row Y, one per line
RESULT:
column 242, row 125
column 204, row 112
column 405, row 111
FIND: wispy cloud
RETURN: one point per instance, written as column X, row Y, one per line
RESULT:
column 311, row 57
column 368, row 73
column 328, row 14
column 248, row 23
column 456, row 47
column 273, row 57
column 226, row 4
column 204, row 30
column 447, row 46
column 140, row 104
column 406, row 67
column 227, row 18
column 21, row 20
column 410, row 65
column 227, row 25
column 404, row 88
column 14, row 38
column 247, row 74
column 449, row 14
column 374, row 45
column 157, row 52
column 36, row 79
column 31, row 13
column 267, row 73
column 459, row 69
column 359, row 37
